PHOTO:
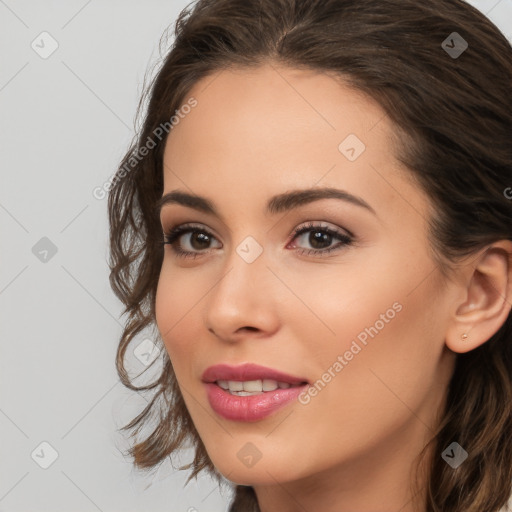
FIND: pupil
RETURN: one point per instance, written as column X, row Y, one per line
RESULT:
column 201, row 238
column 319, row 237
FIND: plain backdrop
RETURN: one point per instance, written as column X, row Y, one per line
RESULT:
column 70, row 78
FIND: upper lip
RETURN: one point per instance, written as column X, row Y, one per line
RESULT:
column 248, row 371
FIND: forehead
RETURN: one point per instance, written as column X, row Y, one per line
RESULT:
column 273, row 99
column 282, row 128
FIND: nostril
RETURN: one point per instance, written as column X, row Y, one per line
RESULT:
column 248, row 328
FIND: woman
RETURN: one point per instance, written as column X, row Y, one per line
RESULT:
column 316, row 216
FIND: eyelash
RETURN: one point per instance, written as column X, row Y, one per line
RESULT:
column 174, row 233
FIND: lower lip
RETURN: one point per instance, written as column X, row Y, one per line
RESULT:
column 252, row 407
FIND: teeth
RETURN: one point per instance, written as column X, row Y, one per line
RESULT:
column 269, row 385
column 235, row 386
column 251, row 387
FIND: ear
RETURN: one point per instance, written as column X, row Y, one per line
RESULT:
column 487, row 299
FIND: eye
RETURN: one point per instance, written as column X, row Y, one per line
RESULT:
column 196, row 238
column 191, row 241
column 320, row 239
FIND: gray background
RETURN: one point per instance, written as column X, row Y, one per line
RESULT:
column 65, row 123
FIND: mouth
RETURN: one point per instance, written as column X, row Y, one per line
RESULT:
column 250, row 377
column 249, row 392
column 253, row 387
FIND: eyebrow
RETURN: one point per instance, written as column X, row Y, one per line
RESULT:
column 276, row 204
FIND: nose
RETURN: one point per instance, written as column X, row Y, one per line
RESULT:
column 243, row 303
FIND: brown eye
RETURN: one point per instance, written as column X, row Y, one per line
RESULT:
column 186, row 240
column 319, row 238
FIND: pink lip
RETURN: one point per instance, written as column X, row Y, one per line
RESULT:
column 254, row 407
column 247, row 371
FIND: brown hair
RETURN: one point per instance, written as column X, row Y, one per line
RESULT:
column 453, row 121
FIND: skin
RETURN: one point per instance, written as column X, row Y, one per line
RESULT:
column 265, row 131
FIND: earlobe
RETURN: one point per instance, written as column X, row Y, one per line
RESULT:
column 488, row 299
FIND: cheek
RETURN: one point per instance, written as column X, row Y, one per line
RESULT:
column 343, row 301
column 380, row 356
column 177, row 297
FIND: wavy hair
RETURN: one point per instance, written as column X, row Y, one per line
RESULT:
column 453, row 131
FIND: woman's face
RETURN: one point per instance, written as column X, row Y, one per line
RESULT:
column 353, row 305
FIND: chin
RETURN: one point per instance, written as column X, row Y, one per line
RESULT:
column 252, row 477
column 260, row 473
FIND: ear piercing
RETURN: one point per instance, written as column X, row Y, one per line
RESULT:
column 464, row 336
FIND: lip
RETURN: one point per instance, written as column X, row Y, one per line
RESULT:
column 253, row 407
column 248, row 371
